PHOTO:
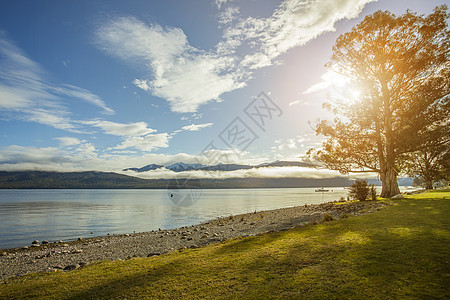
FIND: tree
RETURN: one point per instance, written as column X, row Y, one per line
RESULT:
column 401, row 67
column 430, row 164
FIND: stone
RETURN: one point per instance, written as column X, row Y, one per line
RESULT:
column 215, row 234
column 58, row 267
column 64, row 245
column 35, row 245
column 3, row 254
column 77, row 251
column 189, row 238
column 80, row 238
column 45, row 242
column 35, row 242
column 153, row 254
column 71, row 267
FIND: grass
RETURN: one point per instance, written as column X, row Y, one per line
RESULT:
column 399, row 252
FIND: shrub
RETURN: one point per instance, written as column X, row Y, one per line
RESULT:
column 359, row 190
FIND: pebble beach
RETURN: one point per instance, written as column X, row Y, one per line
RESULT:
column 66, row 256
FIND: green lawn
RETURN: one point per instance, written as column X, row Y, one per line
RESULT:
column 401, row 251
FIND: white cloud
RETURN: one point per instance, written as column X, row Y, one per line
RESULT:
column 121, row 129
column 256, row 61
column 85, row 95
column 68, row 141
column 30, row 96
column 183, row 75
column 196, row 127
column 145, row 143
column 264, row 172
column 328, row 80
column 188, row 77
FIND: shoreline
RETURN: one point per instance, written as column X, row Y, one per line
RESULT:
column 72, row 255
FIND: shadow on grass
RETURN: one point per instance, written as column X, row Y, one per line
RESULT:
column 398, row 252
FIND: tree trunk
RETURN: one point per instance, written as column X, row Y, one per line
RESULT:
column 389, row 183
column 429, row 184
column 387, row 166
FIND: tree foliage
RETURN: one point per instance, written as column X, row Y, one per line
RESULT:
column 401, row 67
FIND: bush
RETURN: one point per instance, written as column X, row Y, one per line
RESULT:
column 359, row 190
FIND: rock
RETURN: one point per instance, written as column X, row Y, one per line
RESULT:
column 3, row 254
column 153, row 254
column 77, row 251
column 26, row 247
column 35, row 242
column 45, row 242
column 60, row 241
column 189, row 238
column 215, row 234
column 58, row 267
column 398, row 196
column 35, row 245
column 71, row 267
column 80, row 238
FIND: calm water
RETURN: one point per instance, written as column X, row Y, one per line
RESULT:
column 26, row 215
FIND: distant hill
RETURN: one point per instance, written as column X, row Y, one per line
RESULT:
column 104, row 180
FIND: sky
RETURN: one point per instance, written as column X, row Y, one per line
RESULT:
column 108, row 85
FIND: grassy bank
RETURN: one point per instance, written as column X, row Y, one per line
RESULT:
column 399, row 252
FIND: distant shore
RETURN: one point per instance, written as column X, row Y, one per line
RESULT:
column 71, row 255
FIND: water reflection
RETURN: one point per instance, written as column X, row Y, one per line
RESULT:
column 26, row 215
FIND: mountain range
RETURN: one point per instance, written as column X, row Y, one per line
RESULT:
column 183, row 167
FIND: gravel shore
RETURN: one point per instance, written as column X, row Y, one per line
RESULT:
column 71, row 255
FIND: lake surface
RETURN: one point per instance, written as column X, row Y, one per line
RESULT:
column 27, row 215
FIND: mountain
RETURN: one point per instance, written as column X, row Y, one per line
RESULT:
column 183, row 167
column 145, row 168
column 72, row 180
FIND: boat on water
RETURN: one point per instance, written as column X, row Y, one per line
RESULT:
column 322, row 190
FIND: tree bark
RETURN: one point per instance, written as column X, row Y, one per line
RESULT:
column 389, row 182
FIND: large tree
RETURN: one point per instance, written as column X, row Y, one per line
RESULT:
column 400, row 65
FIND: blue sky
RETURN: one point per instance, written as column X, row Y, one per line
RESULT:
column 106, row 85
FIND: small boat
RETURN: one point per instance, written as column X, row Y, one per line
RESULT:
column 322, row 190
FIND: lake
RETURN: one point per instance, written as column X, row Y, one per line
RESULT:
column 27, row 215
